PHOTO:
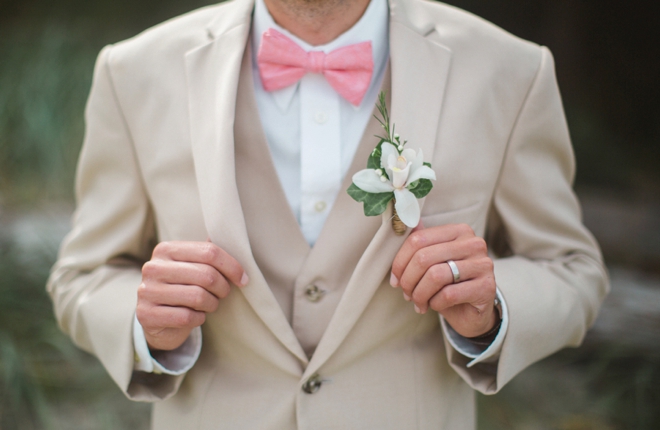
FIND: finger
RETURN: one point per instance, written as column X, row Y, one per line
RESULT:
column 424, row 238
column 434, row 280
column 175, row 272
column 420, row 226
column 178, row 272
column 429, row 256
column 205, row 253
column 479, row 293
column 190, row 296
column 157, row 318
column 439, row 276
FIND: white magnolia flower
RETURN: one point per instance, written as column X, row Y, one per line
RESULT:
column 403, row 169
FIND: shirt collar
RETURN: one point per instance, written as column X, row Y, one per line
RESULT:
column 372, row 26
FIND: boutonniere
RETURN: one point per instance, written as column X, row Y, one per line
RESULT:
column 393, row 172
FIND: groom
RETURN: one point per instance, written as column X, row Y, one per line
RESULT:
column 212, row 210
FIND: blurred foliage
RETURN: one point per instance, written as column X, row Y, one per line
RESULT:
column 43, row 81
column 48, row 51
column 595, row 387
column 45, row 381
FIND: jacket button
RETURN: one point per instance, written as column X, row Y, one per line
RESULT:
column 314, row 293
column 313, row 384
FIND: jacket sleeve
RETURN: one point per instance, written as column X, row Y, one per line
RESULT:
column 94, row 283
column 549, row 270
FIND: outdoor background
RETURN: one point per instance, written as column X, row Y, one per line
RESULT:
column 606, row 53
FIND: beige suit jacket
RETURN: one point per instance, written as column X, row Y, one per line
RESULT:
column 158, row 164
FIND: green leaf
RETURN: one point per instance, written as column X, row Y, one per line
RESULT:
column 374, row 157
column 420, row 188
column 356, row 193
column 374, row 203
column 427, row 165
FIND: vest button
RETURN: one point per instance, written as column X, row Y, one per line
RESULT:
column 313, row 384
column 314, row 293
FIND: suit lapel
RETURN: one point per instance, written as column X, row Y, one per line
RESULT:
column 213, row 72
column 420, row 67
column 416, row 102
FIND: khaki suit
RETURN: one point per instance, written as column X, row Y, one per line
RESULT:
column 174, row 151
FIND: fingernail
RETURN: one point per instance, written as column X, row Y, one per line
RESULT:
column 417, row 310
column 244, row 279
column 406, row 297
column 394, row 281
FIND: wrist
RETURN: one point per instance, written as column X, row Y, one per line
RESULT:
column 166, row 340
column 490, row 335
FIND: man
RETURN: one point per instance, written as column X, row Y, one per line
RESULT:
column 207, row 198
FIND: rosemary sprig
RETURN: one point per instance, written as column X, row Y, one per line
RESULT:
column 392, row 137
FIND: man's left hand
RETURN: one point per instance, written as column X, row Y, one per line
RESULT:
column 420, row 268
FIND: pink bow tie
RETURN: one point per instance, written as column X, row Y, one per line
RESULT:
column 282, row 63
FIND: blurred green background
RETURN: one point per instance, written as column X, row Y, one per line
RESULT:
column 607, row 65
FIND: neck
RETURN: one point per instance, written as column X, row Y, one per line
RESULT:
column 317, row 22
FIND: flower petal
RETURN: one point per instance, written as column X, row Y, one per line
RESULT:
column 391, row 161
column 424, row 172
column 387, row 149
column 407, row 207
column 368, row 181
column 418, row 161
column 410, row 155
column 400, row 177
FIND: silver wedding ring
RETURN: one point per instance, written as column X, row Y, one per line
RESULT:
column 454, row 270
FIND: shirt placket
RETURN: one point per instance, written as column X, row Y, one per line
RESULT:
column 320, row 152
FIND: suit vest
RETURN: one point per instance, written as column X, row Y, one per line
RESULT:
column 307, row 282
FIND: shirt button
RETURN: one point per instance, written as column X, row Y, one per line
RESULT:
column 314, row 293
column 320, row 117
column 320, row 206
column 313, row 384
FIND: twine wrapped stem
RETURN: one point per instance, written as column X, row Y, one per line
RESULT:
column 397, row 225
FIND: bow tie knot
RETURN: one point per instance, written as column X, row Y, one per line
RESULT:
column 283, row 63
column 315, row 62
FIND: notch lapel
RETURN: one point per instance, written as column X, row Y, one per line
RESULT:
column 213, row 73
column 419, row 71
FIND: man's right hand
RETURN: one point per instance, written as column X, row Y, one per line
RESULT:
column 180, row 284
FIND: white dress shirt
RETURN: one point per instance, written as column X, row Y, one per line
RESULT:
column 312, row 133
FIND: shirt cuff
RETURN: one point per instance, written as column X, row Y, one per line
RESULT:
column 175, row 362
column 471, row 350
